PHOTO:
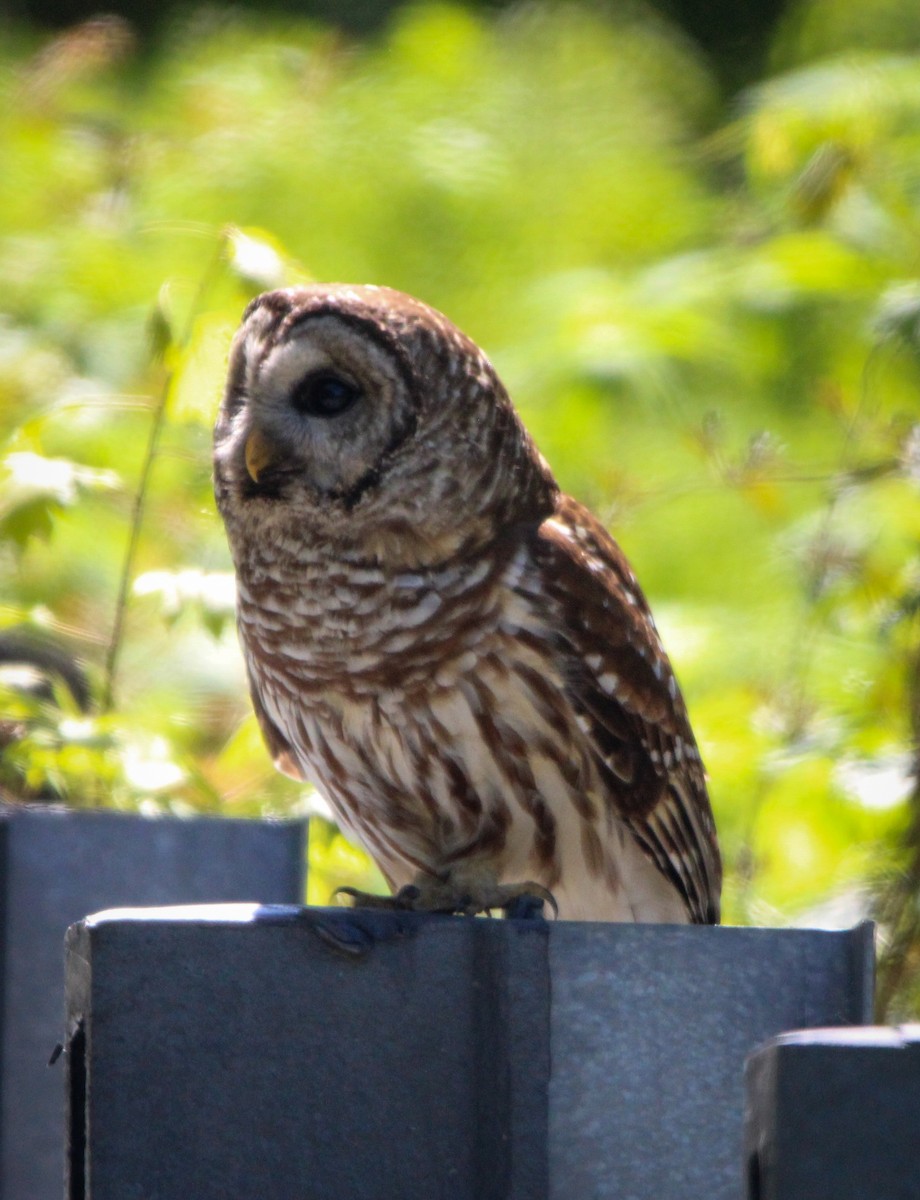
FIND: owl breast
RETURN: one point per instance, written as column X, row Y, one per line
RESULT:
column 430, row 712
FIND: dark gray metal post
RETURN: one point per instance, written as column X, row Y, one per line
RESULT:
column 835, row 1115
column 650, row 1034
column 57, row 866
column 323, row 1053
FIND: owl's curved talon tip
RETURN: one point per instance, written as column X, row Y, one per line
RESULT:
column 403, row 901
column 529, row 902
column 361, row 899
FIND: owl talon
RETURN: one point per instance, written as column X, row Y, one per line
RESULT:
column 521, row 901
column 527, row 908
column 525, row 901
column 361, row 899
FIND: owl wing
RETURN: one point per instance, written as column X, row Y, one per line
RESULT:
column 627, row 701
column 280, row 749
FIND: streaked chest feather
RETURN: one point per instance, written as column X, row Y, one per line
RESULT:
column 419, row 693
column 353, row 631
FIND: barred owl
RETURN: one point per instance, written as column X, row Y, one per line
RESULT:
column 456, row 653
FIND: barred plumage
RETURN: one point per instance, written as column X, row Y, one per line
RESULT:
column 457, row 654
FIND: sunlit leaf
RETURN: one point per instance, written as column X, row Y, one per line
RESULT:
column 33, row 489
column 255, row 259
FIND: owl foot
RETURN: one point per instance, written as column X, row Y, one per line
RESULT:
column 518, row 900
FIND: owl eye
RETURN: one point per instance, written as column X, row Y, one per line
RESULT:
column 324, row 394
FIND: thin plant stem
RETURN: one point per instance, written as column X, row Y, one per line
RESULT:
column 127, row 568
column 116, row 640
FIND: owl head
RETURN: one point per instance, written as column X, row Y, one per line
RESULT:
column 362, row 417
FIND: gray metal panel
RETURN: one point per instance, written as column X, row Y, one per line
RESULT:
column 57, row 867
column 835, row 1115
column 650, row 1030
column 325, row 1054
column 315, row 1053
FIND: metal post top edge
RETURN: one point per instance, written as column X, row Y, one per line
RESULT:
column 254, row 912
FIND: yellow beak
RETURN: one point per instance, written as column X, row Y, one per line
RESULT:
column 259, row 454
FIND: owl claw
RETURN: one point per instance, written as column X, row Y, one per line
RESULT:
column 361, row 899
column 516, row 900
column 527, row 907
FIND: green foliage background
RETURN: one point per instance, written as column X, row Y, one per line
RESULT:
column 707, row 309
